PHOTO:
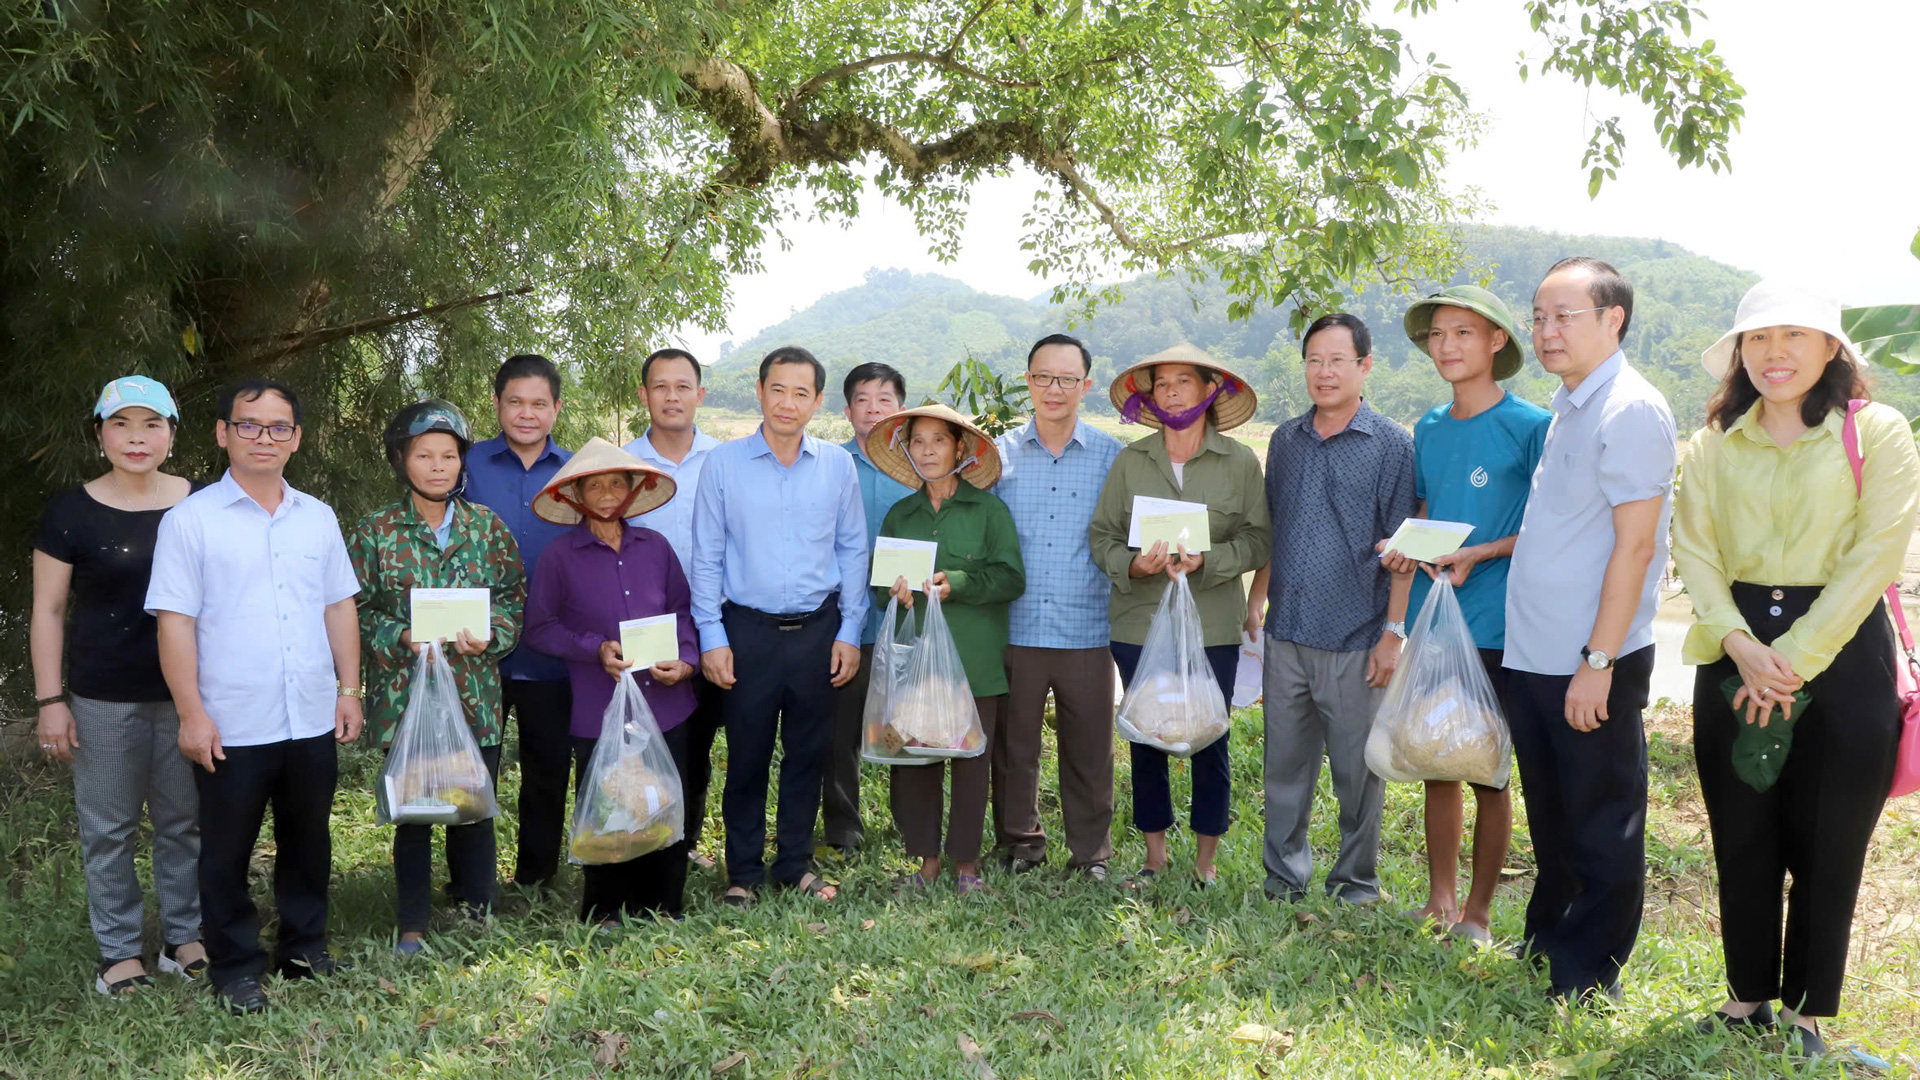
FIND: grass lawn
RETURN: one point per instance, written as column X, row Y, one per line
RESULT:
column 1046, row 976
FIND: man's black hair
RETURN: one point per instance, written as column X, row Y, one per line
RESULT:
column 252, row 390
column 1607, row 289
column 1086, row 358
column 646, row 366
column 1362, row 337
column 870, row 371
column 525, row 365
column 794, row 354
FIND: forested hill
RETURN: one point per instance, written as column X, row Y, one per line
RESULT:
column 923, row 323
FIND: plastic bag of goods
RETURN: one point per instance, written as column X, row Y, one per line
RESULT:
column 929, row 711
column 1440, row 719
column 434, row 773
column 1175, row 703
column 630, row 803
column 892, row 651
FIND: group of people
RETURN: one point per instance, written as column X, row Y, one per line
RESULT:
column 239, row 623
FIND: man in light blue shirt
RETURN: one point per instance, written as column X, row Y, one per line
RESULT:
column 1054, row 467
column 779, row 599
column 672, row 393
column 872, row 392
column 1581, row 594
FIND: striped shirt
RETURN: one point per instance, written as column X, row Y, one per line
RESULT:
column 1052, row 500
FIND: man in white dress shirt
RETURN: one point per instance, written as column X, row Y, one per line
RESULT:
column 260, row 646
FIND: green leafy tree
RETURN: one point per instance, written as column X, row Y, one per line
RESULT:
column 371, row 200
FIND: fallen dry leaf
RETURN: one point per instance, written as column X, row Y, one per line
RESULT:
column 1276, row 1042
column 970, row 1050
column 434, row 1017
column 1362, row 982
column 608, row 1046
column 982, row 961
column 1182, row 917
column 729, row 1062
column 780, row 973
column 387, row 985
column 1040, row 1014
column 1347, row 935
column 817, row 927
column 931, row 1011
column 542, row 998
column 866, row 924
column 1305, row 918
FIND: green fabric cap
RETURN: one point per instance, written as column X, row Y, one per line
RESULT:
column 1419, row 320
column 1759, row 753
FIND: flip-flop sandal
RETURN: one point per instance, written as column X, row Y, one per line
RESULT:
column 910, row 883
column 1208, row 882
column 965, row 884
column 813, row 885
column 1466, row 931
column 737, row 900
column 170, row 964
column 118, row 987
column 1141, row 878
column 700, row 860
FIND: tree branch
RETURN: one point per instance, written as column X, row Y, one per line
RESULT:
column 303, row 340
column 943, row 61
column 954, row 45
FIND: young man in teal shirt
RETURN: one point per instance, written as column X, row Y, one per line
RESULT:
column 1473, row 461
column 873, row 392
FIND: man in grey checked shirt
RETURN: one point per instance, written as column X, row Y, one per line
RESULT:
column 1339, row 477
column 1055, row 466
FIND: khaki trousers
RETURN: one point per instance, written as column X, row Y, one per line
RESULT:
column 1081, row 681
column 917, row 795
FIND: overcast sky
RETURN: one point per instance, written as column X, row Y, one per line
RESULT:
column 1825, row 185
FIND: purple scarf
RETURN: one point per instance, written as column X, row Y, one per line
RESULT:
column 1180, row 421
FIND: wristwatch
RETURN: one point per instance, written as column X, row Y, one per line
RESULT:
column 353, row 691
column 1397, row 629
column 1596, row 659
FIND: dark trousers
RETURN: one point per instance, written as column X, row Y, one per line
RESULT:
column 697, row 771
column 1814, row 823
column 296, row 778
column 1152, row 792
column 782, row 689
column 543, row 713
column 471, row 855
column 1586, row 796
column 1081, row 681
column 918, row 795
column 840, row 791
column 654, row 883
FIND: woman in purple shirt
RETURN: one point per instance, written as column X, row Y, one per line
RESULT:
column 588, row 582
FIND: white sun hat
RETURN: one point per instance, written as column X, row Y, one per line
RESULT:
column 1779, row 303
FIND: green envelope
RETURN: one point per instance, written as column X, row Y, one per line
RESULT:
column 1759, row 753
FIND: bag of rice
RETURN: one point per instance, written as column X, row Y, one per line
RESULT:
column 1174, row 702
column 930, row 711
column 434, row 773
column 1439, row 719
column 630, row 803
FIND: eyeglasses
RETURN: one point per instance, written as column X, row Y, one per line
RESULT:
column 1563, row 319
column 1329, row 363
column 1046, row 382
column 251, row 431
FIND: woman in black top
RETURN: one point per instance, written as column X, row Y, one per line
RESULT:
column 113, row 719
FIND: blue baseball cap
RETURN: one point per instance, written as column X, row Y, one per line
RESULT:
column 132, row 391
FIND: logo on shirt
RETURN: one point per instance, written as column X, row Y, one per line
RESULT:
column 1479, row 477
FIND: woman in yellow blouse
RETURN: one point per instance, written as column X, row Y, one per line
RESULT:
column 1786, row 565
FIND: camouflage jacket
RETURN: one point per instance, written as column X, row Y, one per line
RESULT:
column 394, row 551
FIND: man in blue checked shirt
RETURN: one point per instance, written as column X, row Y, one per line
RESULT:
column 872, row 392
column 1055, row 466
column 779, row 598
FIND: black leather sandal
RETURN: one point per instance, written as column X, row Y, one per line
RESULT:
column 119, row 987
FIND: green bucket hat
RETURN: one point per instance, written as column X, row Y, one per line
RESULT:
column 1419, row 320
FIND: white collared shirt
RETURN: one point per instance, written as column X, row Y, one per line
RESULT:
column 257, row 586
column 675, row 519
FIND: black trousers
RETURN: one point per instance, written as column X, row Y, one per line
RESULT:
column 1586, row 796
column 1814, row 823
column 840, row 791
column 782, row 688
column 471, row 855
column 543, row 713
column 697, row 772
column 296, row 778
column 654, row 883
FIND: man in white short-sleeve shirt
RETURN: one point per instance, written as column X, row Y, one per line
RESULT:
column 1581, row 594
column 260, row 645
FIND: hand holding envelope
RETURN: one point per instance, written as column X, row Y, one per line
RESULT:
column 462, row 618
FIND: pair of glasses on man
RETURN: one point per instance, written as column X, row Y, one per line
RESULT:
column 1563, row 319
column 250, row 431
column 1047, row 382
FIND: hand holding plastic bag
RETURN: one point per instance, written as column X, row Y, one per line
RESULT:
column 435, row 774
column 930, row 711
column 1174, row 703
column 630, row 803
column 892, row 651
column 1440, row 719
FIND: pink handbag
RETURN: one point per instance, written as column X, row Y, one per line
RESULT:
column 1906, row 766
